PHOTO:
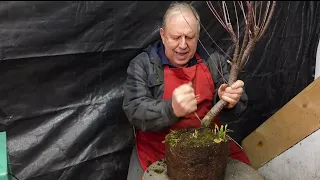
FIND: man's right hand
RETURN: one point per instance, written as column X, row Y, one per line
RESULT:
column 184, row 100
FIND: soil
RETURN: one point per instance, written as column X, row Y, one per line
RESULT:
column 195, row 156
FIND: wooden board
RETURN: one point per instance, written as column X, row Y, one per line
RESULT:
column 296, row 120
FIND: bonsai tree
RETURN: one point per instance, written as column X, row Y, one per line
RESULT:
column 256, row 23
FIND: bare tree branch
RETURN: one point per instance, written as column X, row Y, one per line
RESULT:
column 254, row 31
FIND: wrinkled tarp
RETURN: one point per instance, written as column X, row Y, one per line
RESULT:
column 63, row 65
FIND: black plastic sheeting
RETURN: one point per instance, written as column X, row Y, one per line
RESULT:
column 63, row 65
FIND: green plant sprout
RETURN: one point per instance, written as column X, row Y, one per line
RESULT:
column 195, row 133
column 221, row 133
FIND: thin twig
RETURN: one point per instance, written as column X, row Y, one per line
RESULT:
column 227, row 19
column 228, row 22
column 235, row 142
column 250, row 19
column 243, row 12
column 195, row 113
column 213, row 40
column 217, row 15
column 221, row 74
column 263, row 23
column 238, row 25
column 254, row 14
column 259, row 23
column 263, row 30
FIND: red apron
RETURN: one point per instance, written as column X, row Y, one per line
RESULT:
column 150, row 146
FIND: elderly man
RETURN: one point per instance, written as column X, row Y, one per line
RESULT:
column 171, row 83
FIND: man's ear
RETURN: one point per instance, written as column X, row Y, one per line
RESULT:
column 162, row 34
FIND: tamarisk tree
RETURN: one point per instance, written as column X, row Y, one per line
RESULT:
column 257, row 16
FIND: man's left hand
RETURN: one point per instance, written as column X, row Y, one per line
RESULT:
column 231, row 94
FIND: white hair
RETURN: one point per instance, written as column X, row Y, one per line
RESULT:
column 180, row 7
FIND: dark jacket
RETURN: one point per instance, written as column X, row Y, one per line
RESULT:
column 143, row 90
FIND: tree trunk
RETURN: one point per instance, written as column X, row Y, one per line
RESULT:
column 215, row 110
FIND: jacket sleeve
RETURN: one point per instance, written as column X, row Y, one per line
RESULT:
column 226, row 115
column 143, row 111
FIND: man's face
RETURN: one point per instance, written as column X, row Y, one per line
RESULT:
column 180, row 38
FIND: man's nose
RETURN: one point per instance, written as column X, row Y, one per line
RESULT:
column 183, row 43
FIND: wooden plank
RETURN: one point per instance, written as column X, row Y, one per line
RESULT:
column 296, row 120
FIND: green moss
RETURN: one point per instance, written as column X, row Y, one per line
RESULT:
column 197, row 136
column 159, row 171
